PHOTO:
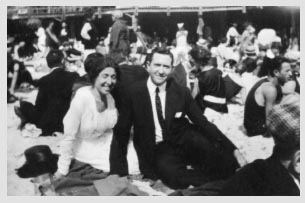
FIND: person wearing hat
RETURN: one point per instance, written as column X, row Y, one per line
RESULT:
column 264, row 95
column 280, row 173
column 40, row 165
column 53, row 98
column 119, row 36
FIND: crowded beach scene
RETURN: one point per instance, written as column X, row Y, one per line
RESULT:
column 153, row 100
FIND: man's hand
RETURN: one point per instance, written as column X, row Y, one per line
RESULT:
column 240, row 158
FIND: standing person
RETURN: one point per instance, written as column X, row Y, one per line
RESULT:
column 89, row 32
column 264, row 94
column 164, row 139
column 64, row 32
column 233, row 33
column 53, row 98
column 89, row 121
column 51, row 39
column 41, row 34
column 182, row 47
column 119, row 36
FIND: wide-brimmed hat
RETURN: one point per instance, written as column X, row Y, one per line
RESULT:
column 39, row 160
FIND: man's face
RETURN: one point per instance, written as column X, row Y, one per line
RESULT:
column 285, row 73
column 159, row 68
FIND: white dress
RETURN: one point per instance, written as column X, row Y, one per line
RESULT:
column 182, row 48
column 88, row 134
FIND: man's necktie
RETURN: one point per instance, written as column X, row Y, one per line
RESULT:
column 159, row 110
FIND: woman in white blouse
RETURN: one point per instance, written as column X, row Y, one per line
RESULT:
column 89, row 122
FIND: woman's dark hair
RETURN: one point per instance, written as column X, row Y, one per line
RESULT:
column 104, row 62
column 92, row 61
column 200, row 55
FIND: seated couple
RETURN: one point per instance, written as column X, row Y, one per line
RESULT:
column 165, row 141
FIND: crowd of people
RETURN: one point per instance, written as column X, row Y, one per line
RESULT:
column 128, row 95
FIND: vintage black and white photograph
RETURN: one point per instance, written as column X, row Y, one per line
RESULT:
column 153, row 100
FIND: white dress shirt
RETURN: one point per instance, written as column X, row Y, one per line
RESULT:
column 152, row 93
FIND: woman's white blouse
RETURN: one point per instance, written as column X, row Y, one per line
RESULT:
column 88, row 133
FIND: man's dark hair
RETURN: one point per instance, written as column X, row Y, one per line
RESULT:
column 159, row 50
column 103, row 63
column 54, row 58
column 276, row 64
column 201, row 55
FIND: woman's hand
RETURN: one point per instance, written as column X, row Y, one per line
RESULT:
column 57, row 176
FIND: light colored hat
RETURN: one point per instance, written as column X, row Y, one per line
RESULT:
column 117, row 14
column 180, row 25
column 250, row 50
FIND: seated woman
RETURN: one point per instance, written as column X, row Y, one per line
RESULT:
column 89, row 121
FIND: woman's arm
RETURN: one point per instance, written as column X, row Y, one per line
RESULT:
column 71, row 127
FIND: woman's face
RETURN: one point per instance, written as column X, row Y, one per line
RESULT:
column 105, row 81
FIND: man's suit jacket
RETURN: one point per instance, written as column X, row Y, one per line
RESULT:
column 262, row 178
column 136, row 110
column 53, row 99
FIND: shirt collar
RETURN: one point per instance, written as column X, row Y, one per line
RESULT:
column 152, row 87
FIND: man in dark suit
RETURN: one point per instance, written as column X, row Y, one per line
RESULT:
column 53, row 98
column 165, row 142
